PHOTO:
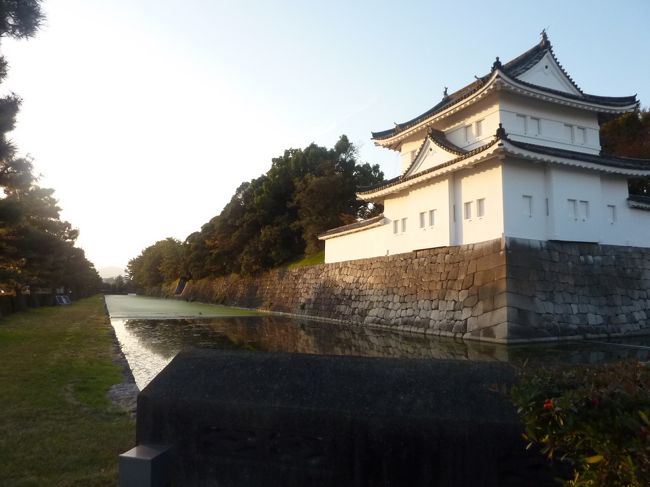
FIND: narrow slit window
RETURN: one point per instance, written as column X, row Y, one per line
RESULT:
column 422, row 219
column 535, row 126
column 480, row 207
column 403, row 225
column 584, row 210
column 573, row 209
column 568, row 132
column 479, row 128
column 396, row 226
column 611, row 213
column 468, row 133
column 521, row 123
column 468, row 210
column 432, row 217
column 528, row 205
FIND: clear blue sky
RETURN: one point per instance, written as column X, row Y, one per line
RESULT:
column 146, row 115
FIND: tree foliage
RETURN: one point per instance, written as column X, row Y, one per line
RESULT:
column 272, row 219
column 629, row 136
column 157, row 264
column 278, row 216
column 36, row 246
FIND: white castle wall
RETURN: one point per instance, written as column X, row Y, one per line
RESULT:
column 357, row 245
column 549, row 124
column 560, row 203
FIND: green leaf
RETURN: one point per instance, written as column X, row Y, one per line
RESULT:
column 644, row 417
column 594, row 459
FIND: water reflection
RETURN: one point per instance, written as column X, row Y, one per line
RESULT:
column 149, row 345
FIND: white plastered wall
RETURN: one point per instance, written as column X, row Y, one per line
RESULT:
column 358, row 245
column 432, row 155
column 583, row 206
column 524, row 200
column 484, row 182
column 461, row 128
column 575, row 204
column 409, row 149
column 408, row 205
column 545, row 123
column 548, row 74
column 621, row 224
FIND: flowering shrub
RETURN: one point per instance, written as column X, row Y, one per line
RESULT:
column 594, row 418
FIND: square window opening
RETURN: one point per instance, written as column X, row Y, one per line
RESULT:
column 468, row 210
column 480, row 207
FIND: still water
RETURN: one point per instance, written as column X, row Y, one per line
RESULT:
column 152, row 331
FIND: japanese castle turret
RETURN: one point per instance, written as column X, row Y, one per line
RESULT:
column 514, row 154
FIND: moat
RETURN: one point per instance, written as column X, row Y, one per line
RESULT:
column 152, row 331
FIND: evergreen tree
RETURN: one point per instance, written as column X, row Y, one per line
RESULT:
column 36, row 247
column 629, row 136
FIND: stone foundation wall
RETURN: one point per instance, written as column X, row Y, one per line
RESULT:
column 504, row 290
column 566, row 289
column 453, row 291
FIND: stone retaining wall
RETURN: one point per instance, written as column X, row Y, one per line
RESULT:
column 504, row 290
column 453, row 291
column 566, row 289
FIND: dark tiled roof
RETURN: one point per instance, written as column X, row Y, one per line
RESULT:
column 527, row 60
column 639, row 202
column 447, row 101
column 401, row 179
column 602, row 159
column 437, row 137
column 512, row 68
column 440, row 139
column 639, row 198
column 352, row 226
column 614, row 101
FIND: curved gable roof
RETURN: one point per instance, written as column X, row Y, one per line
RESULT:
column 438, row 138
column 600, row 162
column 512, row 69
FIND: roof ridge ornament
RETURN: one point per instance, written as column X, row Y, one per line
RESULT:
column 445, row 94
column 545, row 42
column 497, row 64
column 501, row 132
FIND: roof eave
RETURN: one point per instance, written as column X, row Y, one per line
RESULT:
column 602, row 167
column 517, row 86
column 392, row 141
column 479, row 155
column 333, row 233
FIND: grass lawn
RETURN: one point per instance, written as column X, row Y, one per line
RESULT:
column 57, row 426
column 317, row 258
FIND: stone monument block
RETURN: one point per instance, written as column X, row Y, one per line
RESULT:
column 236, row 418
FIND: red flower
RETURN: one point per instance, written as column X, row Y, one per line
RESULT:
column 548, row 404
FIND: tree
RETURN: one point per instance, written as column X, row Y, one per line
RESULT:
column 18, row 19
column 36, row 246
column 159, row 263
column 278, row 216
column 269, row 220
column 629, row 136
